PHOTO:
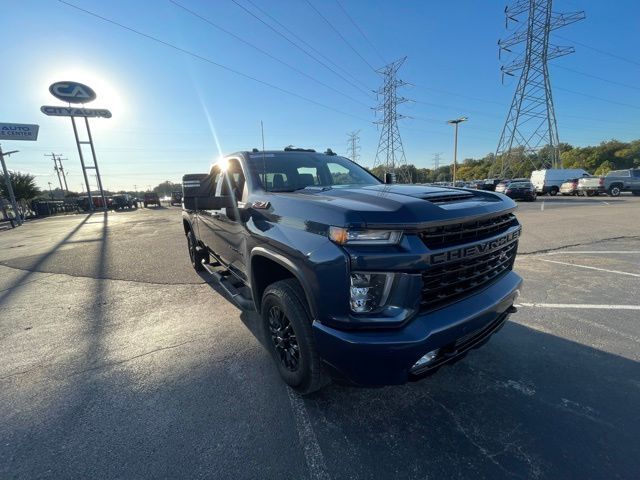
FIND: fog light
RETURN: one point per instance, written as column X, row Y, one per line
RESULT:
column 369, row 291
column 425, row 359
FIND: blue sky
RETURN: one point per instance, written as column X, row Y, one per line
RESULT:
column 173, row 113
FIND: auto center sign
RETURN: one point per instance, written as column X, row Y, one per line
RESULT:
column 18, row 131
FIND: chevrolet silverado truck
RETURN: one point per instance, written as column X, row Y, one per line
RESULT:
column 354, row 279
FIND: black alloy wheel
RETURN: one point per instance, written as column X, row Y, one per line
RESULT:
column 284, row 339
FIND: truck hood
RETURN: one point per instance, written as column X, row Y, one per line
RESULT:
column 388, row 206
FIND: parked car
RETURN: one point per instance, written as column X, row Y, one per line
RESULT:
column 591, row 186
column 519, row 190
column 570, row 187
column 151, row 198
column 374, row 283
column 489, row 184
column 83, row 202
column 549, row 180
column 618, row 181
column 504, row 184
column 176, row 198
column 120, row 202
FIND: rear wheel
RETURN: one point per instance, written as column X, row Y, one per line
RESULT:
column 554, row 191
column 289, row 337
column 614, row 190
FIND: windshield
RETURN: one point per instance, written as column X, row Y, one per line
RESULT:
column 287, row 172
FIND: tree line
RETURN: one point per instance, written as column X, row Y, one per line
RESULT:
column 598, row 160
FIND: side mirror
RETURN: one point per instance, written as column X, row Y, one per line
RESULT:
column 389, row 178
column 198, row 193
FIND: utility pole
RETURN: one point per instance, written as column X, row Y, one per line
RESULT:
column 50, row 191
column 390, row 152
column 531, row 121
column 55, row 167
column 7, row 182
column 455, row 144
column 64, row 175
column 353, row 145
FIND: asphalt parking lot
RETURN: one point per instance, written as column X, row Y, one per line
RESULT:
column 117, row 360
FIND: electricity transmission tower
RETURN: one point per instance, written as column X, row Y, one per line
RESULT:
column 436, row 161
column 390, row 152
column 531, row 122
column 353, row 146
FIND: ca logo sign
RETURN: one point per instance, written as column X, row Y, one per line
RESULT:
column 72, row 92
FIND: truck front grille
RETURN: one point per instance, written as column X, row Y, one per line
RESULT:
column 452, row 281
column 458, row 233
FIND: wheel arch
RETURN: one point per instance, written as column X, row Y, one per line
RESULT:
column 268, row 267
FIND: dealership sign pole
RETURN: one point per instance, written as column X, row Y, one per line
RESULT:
column 73, row 92
column 15, row 131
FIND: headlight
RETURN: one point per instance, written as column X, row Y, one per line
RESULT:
column 369, row 291
column 344, row 236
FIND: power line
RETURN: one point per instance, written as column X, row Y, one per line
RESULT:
column 613, row 82
column 361, row 31
column 298, row 46
column 613, row 55
column 264, row 52
column 302, row 40
column 212, row 62
column 599, row 98
column 340, row 35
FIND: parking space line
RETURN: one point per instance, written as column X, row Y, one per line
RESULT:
column 542, row 206
column 308, row 440
column 593, row 252
column 580, row 306
column 617, row 272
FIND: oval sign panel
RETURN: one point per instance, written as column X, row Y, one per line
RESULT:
column 72, row 92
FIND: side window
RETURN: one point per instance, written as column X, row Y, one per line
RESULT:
column 277, row 180
column 636, row 172
column 341, row 175
column 307, row 176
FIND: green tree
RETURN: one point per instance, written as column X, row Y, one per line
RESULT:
column 24, row 186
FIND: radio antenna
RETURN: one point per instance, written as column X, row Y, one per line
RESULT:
column 264, row 162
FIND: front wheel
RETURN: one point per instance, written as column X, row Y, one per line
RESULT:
column 289, row 337
column 196, row 254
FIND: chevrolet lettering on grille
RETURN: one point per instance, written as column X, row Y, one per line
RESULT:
column 473, row 250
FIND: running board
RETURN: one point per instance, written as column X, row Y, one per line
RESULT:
column 241, row 301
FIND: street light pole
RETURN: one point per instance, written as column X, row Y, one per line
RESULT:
column 455, row 143
column 7, row 182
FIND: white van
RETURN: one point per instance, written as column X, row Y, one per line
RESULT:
column 549, row 180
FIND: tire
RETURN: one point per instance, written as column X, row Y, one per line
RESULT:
column 289, row 337
column 636, row 193
column 196, row 253
column 590, row 194
column 614, row 190
column 554, row 191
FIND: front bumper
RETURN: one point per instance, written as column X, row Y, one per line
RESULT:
column 385, row 357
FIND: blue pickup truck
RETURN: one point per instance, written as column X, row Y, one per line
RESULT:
column 355, row 279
